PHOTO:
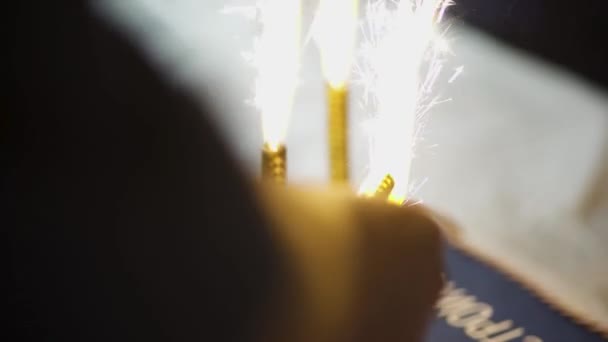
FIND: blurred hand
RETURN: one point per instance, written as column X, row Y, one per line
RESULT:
column 353, row 269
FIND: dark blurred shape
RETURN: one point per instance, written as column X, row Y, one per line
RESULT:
column 119, row 229
column 569, row 33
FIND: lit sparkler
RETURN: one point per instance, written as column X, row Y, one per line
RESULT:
column 334, row 30
column 276, row 57
column 402, row 59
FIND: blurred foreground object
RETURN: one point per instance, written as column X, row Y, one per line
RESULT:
column 355, row 269
column 276, row 58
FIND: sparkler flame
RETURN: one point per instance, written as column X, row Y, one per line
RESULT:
column 403, row 55
column 276, row 57
column 334, row 30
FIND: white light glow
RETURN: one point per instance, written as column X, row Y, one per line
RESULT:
column 334, row 30
column 276, row 58
column 403, row 55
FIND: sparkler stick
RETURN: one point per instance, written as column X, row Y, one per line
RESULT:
column 385, row 187
column 337, row 98
column 384, row 191
column 276, row 58
column 335, row 31
column 274, row 163
column 402, row 60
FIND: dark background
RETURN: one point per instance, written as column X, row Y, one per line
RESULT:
column 569, row 33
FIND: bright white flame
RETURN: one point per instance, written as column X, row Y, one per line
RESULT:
column 334, row 30
column 276, row 57
column 402, row 58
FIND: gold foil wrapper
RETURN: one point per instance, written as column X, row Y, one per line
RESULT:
column 383, row 191
column 274, row 164
column 337, row 98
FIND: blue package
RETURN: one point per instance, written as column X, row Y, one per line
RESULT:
column 479, row 303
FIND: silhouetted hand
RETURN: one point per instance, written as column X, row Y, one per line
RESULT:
column 353, row 269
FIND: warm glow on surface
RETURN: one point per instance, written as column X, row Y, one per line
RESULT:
column 402, row 58
column 334, row 29
column 277, row 59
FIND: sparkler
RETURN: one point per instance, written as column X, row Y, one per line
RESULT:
column 335, row 32
column 383, row 191
column 274, row 163
column 402, row 58
column 386, row 186
column 277, row 60
column 276, row 57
